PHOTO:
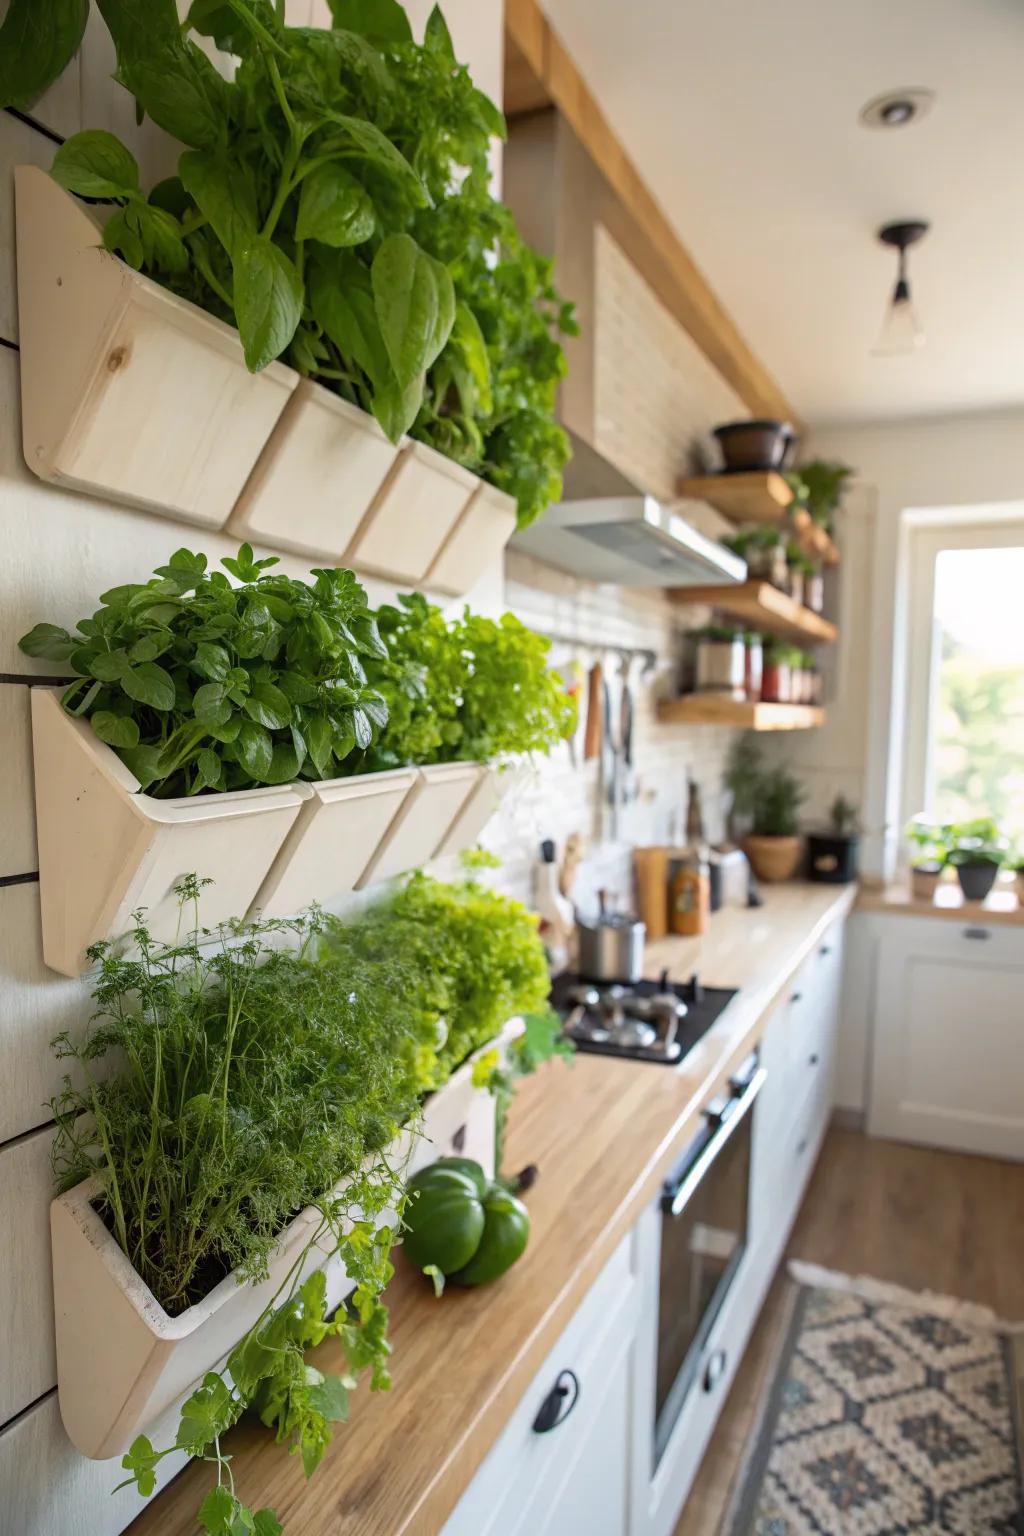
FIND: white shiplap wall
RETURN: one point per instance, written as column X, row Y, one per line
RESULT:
column 60, row 551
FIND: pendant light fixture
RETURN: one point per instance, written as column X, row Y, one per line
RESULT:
column 901, row 330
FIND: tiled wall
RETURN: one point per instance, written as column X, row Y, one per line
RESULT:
column 60, row 550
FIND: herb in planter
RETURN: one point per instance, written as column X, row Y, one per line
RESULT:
column 818, row 488
column 200, row 685
column 777, row 800
column 333, row 204
column 463, row 690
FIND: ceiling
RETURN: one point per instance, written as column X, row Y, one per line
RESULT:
column 742, row 117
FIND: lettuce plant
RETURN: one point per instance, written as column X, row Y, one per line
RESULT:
column 201, row 685
column 333, row 204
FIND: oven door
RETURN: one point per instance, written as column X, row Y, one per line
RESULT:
column 705, row 1208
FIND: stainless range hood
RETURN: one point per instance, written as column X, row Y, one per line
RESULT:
column 631, row 541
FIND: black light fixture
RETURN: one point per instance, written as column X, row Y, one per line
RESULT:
column 901, row 330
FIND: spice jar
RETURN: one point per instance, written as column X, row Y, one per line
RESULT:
column 754, row 667
column 776, row 683
column 720, row 664
column 814, row 590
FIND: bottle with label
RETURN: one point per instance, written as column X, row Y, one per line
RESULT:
column 690, row 895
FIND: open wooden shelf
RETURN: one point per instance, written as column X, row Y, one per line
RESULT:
column 719, row 709
column 761, row 496
column 762, row 606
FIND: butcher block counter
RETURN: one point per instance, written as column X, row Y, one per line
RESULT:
column 603, row 1134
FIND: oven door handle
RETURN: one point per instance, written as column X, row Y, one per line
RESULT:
column 675, row 1200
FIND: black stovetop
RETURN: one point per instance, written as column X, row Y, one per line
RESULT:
column 704, row 1005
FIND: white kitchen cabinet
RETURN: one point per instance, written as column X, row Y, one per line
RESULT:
column 573, row 1479
column 948, row 1038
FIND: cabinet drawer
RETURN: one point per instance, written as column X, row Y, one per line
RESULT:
column 525, row 1470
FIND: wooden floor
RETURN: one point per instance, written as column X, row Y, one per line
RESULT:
column 935, row 1221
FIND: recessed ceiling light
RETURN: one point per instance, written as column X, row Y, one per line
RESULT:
column 895, row 109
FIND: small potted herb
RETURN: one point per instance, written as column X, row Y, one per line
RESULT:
column 930, row 845
column 977, row 855
column 832, row 855
column 774, row 846
column 720, row 661
column 818, row 488
column 766, row 554
column 796, row 568
column 754, row 664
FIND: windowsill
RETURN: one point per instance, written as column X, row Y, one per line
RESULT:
column 1001, row 906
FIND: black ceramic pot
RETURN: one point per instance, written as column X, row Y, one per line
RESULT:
column 831, row 859
column 751, row 445
column 976, row 880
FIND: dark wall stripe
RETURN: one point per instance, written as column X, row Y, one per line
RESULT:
column 34, row 680
column 14, row 1141
column 19, row 879
column 13, row 345
column 24, row 1412
column 31, row 122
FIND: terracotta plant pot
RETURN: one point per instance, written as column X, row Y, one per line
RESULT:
column 924, row 882
column 774, row 858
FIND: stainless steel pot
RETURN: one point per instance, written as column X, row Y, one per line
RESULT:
column 612, row 949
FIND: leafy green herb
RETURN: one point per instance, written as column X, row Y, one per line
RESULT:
column 200, row 685
column 37, row 43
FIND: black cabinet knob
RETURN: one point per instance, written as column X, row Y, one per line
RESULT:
column 814, row 1059
column 795, row 998
column 558, row 1404
column 825, row 950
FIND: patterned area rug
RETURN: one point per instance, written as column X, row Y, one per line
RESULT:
column 889, row 1414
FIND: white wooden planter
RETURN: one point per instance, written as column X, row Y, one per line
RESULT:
column 336, row 834
column 408, row 524
column 317, row 478
column 105, row 849
column 475, row 541
column 424, row 821
column 491, row 789
column 127, row 389
column 122, row 1362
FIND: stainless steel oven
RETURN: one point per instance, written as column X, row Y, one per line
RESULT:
column 705, row 1211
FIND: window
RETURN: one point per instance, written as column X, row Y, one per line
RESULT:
column 964, row 751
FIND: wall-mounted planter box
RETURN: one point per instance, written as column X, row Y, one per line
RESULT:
column 122, row 1362
column 406, row 528
column 485, row 799
column 126, row 389
column 424, row 821
column 335, row 836
column 475, row 541
column 105, row 849
column 317, row 478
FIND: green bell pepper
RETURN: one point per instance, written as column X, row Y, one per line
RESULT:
column 461, row 1224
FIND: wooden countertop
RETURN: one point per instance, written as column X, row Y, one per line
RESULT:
column 1000, row 907
column 604, row 1134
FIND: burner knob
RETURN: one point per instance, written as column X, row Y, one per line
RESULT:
column 695, row 989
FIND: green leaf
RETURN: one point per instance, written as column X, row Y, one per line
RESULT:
column 341, row 298
column 436, row 37
column 149, row 684
column 396, row 408
column 267, row 705
column 268, row 300
column 208, row 1413
column 211, row 704
column 96, row 164
column 329, row 1397
column 211, row 661
column 221, row 1514
column 266, row 1523
column 367, row 634
column 37, row 43
column 219, row 20
column 436, row 1277
column 492, row 118
column 171, row 78
column 415, row 304
column 223, row 194
column 468, row 340
column 140, row 1461
column 115, row 730
column 334, row 208
column 319, row 741
column 382, row 21
column 48, row 640
column 379, row 149
column 144, row 762
column 255, row 750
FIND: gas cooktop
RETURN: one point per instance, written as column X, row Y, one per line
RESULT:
column 657, row 1021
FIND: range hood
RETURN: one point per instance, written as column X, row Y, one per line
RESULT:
column 632, row 541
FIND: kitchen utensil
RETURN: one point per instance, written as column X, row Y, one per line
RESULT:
column 650, row 866
column 609, row 763
column 612, row 948
column 629, row 787
column 729, row 870
column 571, row 857
column 751, row 445
column 593, row 733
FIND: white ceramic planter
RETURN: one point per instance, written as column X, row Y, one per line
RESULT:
column 122, row 1362
column 475, row 541
column 424, row 821
column 336, row 834
column 317, row 478
column 127, row 389
column 419, row 505
column 105, row 849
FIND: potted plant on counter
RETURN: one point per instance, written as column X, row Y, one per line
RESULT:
column 774, row 846
column 832, row 855
column 930, row 846
column 977, row 854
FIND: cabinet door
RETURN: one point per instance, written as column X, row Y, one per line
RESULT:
column 948, row 1064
